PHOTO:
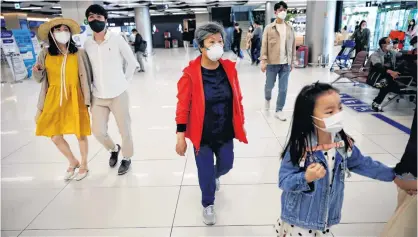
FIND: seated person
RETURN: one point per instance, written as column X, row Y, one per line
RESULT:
column 383, row 61
column 413, row 42
column 410, row 60
column 411, row 56
column 396, row 45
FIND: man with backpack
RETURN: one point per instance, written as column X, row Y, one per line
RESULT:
column 140, row 46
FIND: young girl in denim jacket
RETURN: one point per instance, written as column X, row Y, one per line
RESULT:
column 315, row 162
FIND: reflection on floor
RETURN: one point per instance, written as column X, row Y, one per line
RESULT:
column 160, row 196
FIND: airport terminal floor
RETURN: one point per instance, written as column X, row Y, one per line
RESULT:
column 160, row 196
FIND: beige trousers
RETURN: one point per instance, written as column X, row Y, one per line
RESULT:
column 119, row 107
column 403, row 222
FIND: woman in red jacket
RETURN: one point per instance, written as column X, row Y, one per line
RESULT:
column 210, row 113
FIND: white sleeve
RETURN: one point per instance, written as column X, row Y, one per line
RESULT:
column 414, row 30
column 127, row 53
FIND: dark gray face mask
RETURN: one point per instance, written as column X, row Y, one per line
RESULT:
column 97, row 26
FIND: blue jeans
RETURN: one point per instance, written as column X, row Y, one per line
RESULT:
column 208, row 172
column 283, row 71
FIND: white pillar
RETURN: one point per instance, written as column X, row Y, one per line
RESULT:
column 269, row 12
column 76, row 10
column 143, row 25
column 201, row 19
column 320, row 21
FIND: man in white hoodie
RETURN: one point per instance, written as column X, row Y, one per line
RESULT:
column 107, row 52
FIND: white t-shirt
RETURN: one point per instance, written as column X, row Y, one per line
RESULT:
column 330, row 157
column 107, row 62
column 282, row 28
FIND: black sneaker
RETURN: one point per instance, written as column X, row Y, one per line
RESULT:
column 124, row 167
column 114, row 157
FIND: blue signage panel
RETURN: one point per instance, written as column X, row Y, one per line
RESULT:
column 23, row 24
column 352, row 101
column 362, row 108
column 345, row 96
column 24, row 42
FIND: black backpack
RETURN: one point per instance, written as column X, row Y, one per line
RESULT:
column 143, row 46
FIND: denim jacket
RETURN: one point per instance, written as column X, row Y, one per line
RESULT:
column 318, row 205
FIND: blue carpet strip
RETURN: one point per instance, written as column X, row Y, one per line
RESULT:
column 393, row 123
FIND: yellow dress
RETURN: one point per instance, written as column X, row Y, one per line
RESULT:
column 69, row 116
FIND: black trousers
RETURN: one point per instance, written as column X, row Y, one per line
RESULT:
column 360, row 48
column 408, row 163
column 236, row 47
column 392, row 86
column 255, row 54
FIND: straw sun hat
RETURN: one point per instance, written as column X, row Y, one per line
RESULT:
column 45, row 28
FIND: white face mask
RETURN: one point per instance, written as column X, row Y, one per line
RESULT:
column 62, row 37
column 389, row 47
column 333, row 124
column 215, row 52
column 282, row 15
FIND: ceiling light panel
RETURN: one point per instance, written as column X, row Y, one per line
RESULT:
column 173, row 10
column 30, row 8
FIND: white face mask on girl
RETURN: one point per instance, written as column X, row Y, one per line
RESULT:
column 282, row 15
column 215, row 52
column 62, row 37
column 333, row 124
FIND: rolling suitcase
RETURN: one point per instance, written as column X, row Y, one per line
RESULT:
column 167, row 44
column 302, row 53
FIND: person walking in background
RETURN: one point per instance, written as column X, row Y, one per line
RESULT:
column 139, row 49
column 361, row 37
column 107, row 52
column 411, row 32
column 64, row 71
column 256, row 43
column 278, row 52
column 210, row 113
column 357, row 26
column 186, row 39
column 248, row 40
column 236, row 45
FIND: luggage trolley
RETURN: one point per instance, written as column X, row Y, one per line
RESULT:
column 343, row 59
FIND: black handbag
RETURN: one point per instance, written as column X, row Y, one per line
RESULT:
column 143, row 46
column 376, row 78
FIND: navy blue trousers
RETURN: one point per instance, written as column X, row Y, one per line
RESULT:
column 208, row 171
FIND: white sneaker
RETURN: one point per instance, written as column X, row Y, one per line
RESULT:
column 280, row 115
column 267, row 105
column 80, row 177
column 209, row 215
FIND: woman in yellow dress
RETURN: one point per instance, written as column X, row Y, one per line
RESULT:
column 65, row 74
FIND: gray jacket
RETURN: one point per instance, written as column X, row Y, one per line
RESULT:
column 379, row 57
column 84, row 73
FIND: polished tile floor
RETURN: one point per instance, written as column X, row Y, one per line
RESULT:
column 160, row 195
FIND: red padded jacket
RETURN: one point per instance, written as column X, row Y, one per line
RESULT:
column 191, row 101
